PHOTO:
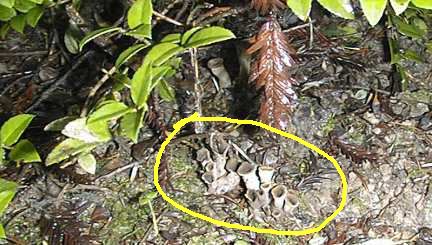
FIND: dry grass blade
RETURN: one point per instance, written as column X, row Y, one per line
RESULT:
column 265, row 6
column 271, row 71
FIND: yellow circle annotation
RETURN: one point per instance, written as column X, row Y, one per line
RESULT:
column 196, row 118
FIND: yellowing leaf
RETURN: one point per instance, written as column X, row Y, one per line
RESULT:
column 140, row 13
column 341, row 8
column 88, row 163
column 425, row 4
column 301, row 8
column 373, row 10
column 66, row 149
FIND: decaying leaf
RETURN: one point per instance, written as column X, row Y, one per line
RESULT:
column 271, row 71
column 265, row 6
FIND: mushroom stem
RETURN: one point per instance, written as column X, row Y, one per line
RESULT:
column 279, row 195
column 248, row 172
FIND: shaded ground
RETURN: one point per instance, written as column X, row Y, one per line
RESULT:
column 352, row 105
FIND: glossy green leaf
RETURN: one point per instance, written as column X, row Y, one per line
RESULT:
column 4, row 29
column 87, row 162
column 108, row 112
column 131, row 124
column 425, row 4
column 7, row 3
column 162, row 52
column 141, row 84
column 71, row 40
column 172, row 38
column 18, row 23
column 188, row 34
column 166, row 92
column 399, row 6
column 34, row 15
column 24, row 5
column 97, row 33
column 6, row 13
column 129, row 53
column 66, row 149
column 209, row 35
column 13, row 128
column 341, row 8
column 301, row 8
column 37, row 1
column 140, row 13
column 159, row 73
column 373, row 10
column 24, row 152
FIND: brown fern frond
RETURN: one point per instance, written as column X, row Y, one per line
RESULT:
column 265, row 6
column 271, row 71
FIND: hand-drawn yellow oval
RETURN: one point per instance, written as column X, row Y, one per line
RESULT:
column 196, row 118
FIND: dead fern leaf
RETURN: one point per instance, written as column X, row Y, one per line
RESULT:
column 271, row 70
column 265, row 6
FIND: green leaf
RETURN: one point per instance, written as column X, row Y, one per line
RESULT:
column 18, row 23
column 162, row 52
column 34, row 15
column 24, row 5
column 67, row 149
column 13, row 128
column 2, row 232
column 141, row 32
column 188, row 34
column 97, row 33
column 4, row 29
column 209, row 36
column 7, row 3
column 37, row 1
column 172, row 38
column 24, row 152
column 101, row 130
column 158, row 74
column 129, row 53
column 141, row 84
column 408, row 29
column 399, row 6
column 373, row 10
column 7, row 192
column 108, row 112
column 140, row 13
column 166, row 92
column 71, row 40
column 6, row 13
column 2, row 156
column 87, row 162
column 341, row 8
column 424, row 4
column 131, row 124
column 301, row 8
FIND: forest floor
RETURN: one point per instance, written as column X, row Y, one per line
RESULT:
column 352, row 104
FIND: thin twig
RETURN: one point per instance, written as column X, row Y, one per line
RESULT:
column 167, row 19
column 119, row 170
column 199, row 126
column 95, row 89
column 24, row 53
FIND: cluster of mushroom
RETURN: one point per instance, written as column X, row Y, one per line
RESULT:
column 265, row 198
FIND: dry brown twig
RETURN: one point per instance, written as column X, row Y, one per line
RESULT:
column 271, row 71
